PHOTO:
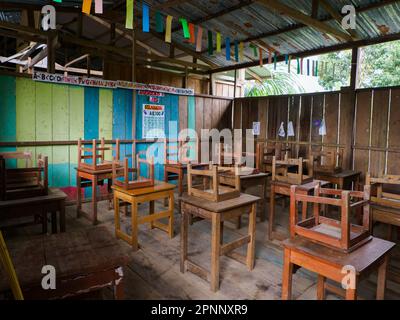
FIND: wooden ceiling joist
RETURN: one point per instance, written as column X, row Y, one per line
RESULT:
column 275, row 5
column 169, row 4
column 337, row 16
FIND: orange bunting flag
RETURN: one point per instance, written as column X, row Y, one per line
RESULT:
column 86, row 7
column 192, row 33
column 260, row 54
column 199, row 41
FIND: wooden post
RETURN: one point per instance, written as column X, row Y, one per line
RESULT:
column 211, row 84
column 134, row 80
column 353, row 87
column 51, row 52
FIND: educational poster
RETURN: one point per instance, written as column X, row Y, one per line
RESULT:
column 256, row 128
column 153, row 121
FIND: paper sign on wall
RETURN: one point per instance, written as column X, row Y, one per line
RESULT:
column 256, row 128
column 322, row 128
column 290, row 129
column 153, row 121
column 281, row 132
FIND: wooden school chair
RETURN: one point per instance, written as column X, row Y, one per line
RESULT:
column 328, row 161
column 121, row 169
column 342, row 233
column 96, row 153
column 19, row 183
column 212, row 190
column 265, row 153
column 385, row 200
column 298, row 176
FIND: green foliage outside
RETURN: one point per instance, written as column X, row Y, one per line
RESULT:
column 379, row 67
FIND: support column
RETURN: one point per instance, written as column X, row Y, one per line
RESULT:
column 134, row 80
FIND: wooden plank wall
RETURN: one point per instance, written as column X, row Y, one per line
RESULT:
column 369, row 131
column 305, row 112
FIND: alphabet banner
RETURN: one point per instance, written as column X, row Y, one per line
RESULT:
column 94, row 82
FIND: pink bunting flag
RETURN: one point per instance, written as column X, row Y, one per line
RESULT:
column 199, row 39
column 98, row 8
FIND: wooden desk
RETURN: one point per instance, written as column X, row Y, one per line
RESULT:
column 248, row 181
column 218, row 212
column 52, row 203
column 160, row 190
column 284, row 189
column 179, row 170
column 343, row 180
column 386, row 215
column 85, row 261
column 85, row 177
column 329, row 263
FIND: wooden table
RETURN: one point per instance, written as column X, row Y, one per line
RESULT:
column 84, row 261
column 134, row 197
column 37, row 206
column 248, row 181
column 330, row 264
column 218, row 212
column 343, row 180
column 284, row 189
column 86, row 177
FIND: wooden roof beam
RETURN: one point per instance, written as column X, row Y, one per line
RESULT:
column 275, row 5
column 337, row 16
column 169, row 4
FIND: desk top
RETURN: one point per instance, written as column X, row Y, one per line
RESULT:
column 342, row 174
column 93, row 172
column 243, row 200
column 158, row 186
column 72, row 254
column 307, row 186
column 360, row 259
column 53, row 195
column 246, row 176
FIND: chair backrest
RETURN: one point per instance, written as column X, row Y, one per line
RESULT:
column 379, row 193
column 215, row 192
column 19, row 155
column 178, row 152
column 329, row 160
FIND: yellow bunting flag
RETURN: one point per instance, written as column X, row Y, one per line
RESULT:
column 241, row 51
column 129, row 14
column 168, row 26
column 218, row 42
column 87, row 5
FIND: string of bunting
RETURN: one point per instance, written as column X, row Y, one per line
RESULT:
column 163, row 24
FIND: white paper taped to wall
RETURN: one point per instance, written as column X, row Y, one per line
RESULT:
column 281, row 132
column 290, row 129
column 322, row 128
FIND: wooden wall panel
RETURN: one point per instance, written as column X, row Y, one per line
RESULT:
column 316, row 120
column 331, row 118
column 346, row 121
column 393, row 166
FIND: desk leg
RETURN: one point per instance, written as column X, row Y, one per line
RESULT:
column 117, row 222
column 94, row 200
column 151, row 212
column 252, row 233
column 263, row 215
column 215, row 250
column 79, row 195
column 54, row 222
column 62, row 217
column 381, row 285
column 184, row 239
column 287, row 276
column 321, row 287
column 171, row 214
column 304, row 210
column 134, row 219
column 109, row 190
column 119, row 285
column 271, row 213
column 180, row 182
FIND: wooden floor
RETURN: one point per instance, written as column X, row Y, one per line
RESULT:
column 153, row 271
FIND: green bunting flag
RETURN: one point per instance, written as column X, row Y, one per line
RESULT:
column 210, row 43
column 159, row 22
column 185, row 27
column 129, row 14
column 255, row 52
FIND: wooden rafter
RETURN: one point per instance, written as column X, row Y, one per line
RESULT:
column 303, row 18
column 337, row 16
column 169, row 4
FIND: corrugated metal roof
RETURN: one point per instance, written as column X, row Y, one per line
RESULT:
column 254, row 20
